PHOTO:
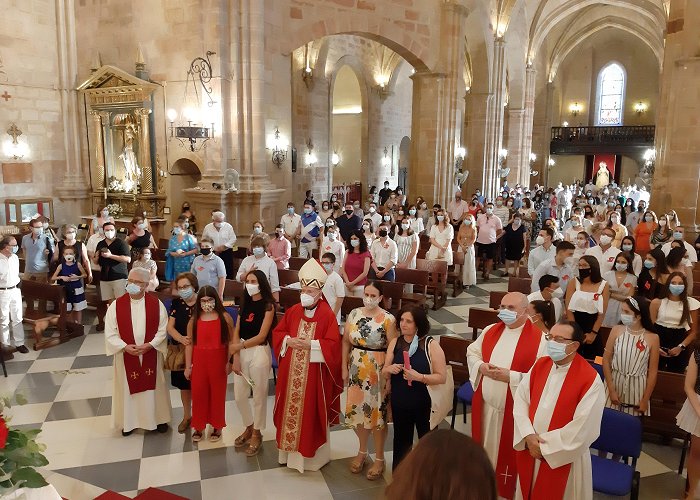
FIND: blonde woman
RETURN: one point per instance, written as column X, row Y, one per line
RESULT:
column 466, row 237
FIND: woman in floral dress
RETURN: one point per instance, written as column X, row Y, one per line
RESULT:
column 368, row 331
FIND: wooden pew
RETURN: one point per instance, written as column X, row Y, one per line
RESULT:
column 454, row 277
column 289, row 297
column 455, row 349
column 288, row 276
column 419, row 280
column 295, row 263
column 233, row 291
column 37, row 313
column 437, row 280
column 159, row 253
column 480, row 319
column 495, row 299
column 349, row 304
column 522, row 272
column 519, row 285
column 393, row 293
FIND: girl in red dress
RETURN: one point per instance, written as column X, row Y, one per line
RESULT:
column 206, row 362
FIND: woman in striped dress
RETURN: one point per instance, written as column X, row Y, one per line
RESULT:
column 631, row 359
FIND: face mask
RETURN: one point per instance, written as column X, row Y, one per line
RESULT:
column 133, row 289
column 356, row 206
column 257, row 230
column 676, row 289
column 627, row 319
column 330, row 223
column 370, row 303
column 662, row 222
column 507, row 316
column 401, row 213
column 186, row 224
column 648, row 218
column 37, row 230
column 584, row 273
column 677, row 235
column 105, row 214
column 570, row 261
column 218, row 225
column 405, row 226
column 110, row 234
column 627, row 248
column 440, row 218
column 516, row 223
column 69, row 258
column 478, row 193
column 186, row 293
column 412, row 211
column 147, row 256
column 424, row 206
column 207, row 306
column 70, row 236
column 365, row 227
column 177, row 230
column 620, row 266
column 290, row 210
column 468, row 222
column 556, row 350
column 387, row 218
column 327, row 266
column 489, row 210
column 649, row 264
column 614, row 220
column 558, row 293
column 334, row 199
column 383, row 233
column 372, row 210
column 331, row 236
column 15, row 249
column 605, row 239
column 252, row 289
column 141, row 226
column 307, row 211
column 355, row 243
column 499, row 203
column 206, row 251
column 510, row 203
column 307, row 300
column 540, row 240
column 258, row 251
column 325, row 207
column 581, row 243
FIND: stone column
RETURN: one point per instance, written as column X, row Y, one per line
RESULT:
column 517, row 154
column 494, row 130
column 145, row 151
column 477, row 105
column 676, row 183
column 526, row 130
column 549, row 105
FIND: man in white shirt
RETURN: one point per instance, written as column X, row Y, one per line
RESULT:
column 374, row 216
column 561, row 266
column 550, row 290
column 261, row 262
column 563, row 203
column 553, row 438
column 331, row 243
column 12, row 335
column 604, row 252
column 334, row 289
column 544, row 251
column 292, row 225
column 385, row 255
column 679, row 234
column 224, row 238
column 456, row 210
column 490, row 229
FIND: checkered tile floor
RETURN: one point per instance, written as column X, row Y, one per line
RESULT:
column 68, row 389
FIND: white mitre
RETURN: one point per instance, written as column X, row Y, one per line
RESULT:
column 312, row 274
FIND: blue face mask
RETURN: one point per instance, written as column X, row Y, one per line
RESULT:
column 507, row 316
column 15, row 249
column 677, row 235
column 186, row 293
column 676, row 289
column 290, row 210
column 307, row 211
column 258, row 251
column 556, row 350
column 133, row 289
column 649, row 264
column 328, row 267
column 413, row 347
column 412, row 211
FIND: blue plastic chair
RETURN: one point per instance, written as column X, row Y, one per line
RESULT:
column 464, row 395
column 620, row 434
column 599, row 369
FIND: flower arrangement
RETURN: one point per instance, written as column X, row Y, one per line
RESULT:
column 115, row 210
column 19, row 454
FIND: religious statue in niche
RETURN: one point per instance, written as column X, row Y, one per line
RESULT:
column 132, row 173
column 602, row 178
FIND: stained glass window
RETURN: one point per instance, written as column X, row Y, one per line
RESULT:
column 611, row 95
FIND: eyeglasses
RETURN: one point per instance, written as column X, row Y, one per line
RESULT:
column 184, row 287
column 560, row 340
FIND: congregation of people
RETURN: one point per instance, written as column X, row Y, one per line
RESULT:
column 598, row 258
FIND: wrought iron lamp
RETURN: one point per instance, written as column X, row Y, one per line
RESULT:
column 575, row 109
column 311, row 158
column 279, row 149
column 640, row 108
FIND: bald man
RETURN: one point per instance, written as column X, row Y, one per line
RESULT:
column 135, row 335
column 224, row 238
column 497, row 361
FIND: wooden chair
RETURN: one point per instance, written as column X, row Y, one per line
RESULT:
column 160, row 273
column 495, row 299
column 22, row 263
column 604, row 332
column 163, row 243
column 519, row 285
column 480, row 319
column 455, row 349
column 295, row 263
column 37, row 314
column 233, row 291
column 522, row 272
column 240, row 253
column 419, row 280
column 349, row 304
column 288, row 276
column 393, row 293
column 289, row 297
column 82, row 233
column 454, row 277
column 159, row 253
column 437, row 282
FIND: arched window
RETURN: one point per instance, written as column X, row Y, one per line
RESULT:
column 611, row 95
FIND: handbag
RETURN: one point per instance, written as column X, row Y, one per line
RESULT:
column 175, row 358
column 441, row 395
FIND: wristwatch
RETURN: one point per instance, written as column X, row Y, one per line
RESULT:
column 682, row 346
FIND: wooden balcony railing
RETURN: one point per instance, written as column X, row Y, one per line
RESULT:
column 584, row 140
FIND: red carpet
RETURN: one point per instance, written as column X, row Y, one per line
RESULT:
column 149, row 494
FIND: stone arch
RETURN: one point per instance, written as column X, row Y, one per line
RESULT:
column 186, row 166
column 479, row 46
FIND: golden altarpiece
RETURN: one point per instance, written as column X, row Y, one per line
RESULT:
column 124, row 165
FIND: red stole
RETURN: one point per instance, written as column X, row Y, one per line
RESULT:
column 140, row 373
column 307, row 395
column 551, row 483
column 524, row 357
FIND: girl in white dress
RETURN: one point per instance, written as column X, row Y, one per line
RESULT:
column 622, row 283
column 466, row 236
column 441, row 236
column 407, row 242
column 631, row 359
column 688, row 419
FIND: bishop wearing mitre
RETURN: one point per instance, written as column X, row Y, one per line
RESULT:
column 307, row 344
column 135, row 326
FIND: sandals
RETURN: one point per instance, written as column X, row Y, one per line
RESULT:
column 375, row 472
column 243, row 439
column 255, row 444
column 355, row 466
column 184, row 425
column 215, row 435
column 197, row 436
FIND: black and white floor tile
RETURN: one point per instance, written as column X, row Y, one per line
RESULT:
column 68, row 389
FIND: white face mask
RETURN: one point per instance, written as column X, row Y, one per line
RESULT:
column 110, row 234
column 307, row 300
column 370, row 303
column 605, row 239
column 331, row 236
column 540, row 240
column 147, row 256
column 405, row 226
column 252, row 289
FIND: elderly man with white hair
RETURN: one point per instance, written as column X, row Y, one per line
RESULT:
column 135, row 334
column 224, row 238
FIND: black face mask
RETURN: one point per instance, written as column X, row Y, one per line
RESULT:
column 584, row 273
column 383, row 233
column 205, row 251
column 348, row 212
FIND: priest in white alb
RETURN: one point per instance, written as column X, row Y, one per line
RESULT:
column 135, row 326
column 497, row 361
column 557, row 411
